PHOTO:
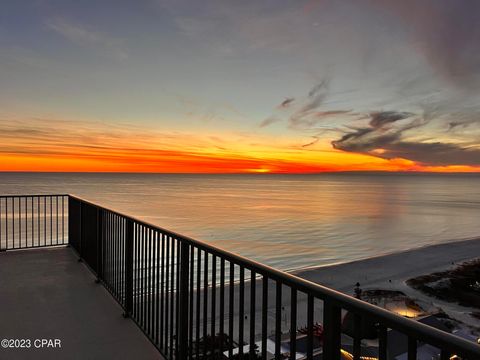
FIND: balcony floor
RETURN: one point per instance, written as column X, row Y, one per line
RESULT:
column 47, row 294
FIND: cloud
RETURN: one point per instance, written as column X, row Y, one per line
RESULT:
column 316, row 96
column 287, row 102
column 436, row 153
column 463, row 119
column 381, row 139
column 268, row 121
column 37, row 135
column 82, row 35
column 462, row 123
column 384, row 118
column 313, row 142
column 448, row 33
column 303, row 113
column 364, row 140
column 379, row 133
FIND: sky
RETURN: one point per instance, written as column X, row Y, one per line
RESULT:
column 240, row 86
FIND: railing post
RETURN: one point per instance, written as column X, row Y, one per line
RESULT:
column 99, row 245
column 80, row 227
column 183, row 305
column 129, row 268
column 332, row 331
column 382, row 342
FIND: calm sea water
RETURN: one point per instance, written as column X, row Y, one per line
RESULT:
column 287, row 221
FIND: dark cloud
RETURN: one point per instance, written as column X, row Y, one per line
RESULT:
column 382, row 118
column 436, row 153
column 448, row 33
column 380, row 139
column 285, row 103
column 364, row 140
column 377, row 135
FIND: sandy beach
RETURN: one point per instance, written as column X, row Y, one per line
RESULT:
column 389, row 272
column 377, row 271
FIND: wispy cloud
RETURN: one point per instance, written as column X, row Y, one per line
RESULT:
column 270, row 120
column 84, row 35
column 287, row 102
column 463, row 120
column 304, row 113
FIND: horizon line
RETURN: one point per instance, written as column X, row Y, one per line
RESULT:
column 247, row 173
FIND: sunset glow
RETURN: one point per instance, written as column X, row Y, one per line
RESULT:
column 91, row 147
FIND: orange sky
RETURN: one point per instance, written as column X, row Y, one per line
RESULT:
column 65, row 146
column 178, row 162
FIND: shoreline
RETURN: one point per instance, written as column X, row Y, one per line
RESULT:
column 448, row 243
column 392, row 269
column 391, row 272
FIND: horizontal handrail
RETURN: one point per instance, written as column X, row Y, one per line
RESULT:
column 413, row 328
column 30, row 195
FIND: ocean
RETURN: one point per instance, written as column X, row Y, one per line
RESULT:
column 286, row 221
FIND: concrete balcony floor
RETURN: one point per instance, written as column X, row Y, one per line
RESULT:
column 48, row 294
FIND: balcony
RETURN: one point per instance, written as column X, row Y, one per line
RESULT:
column 47, row 294
column 190, row 299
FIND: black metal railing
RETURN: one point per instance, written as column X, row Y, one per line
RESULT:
column 196, row 301
column 33, row 221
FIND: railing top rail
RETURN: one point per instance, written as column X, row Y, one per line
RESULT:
column 409, row 327
column 30, row 195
